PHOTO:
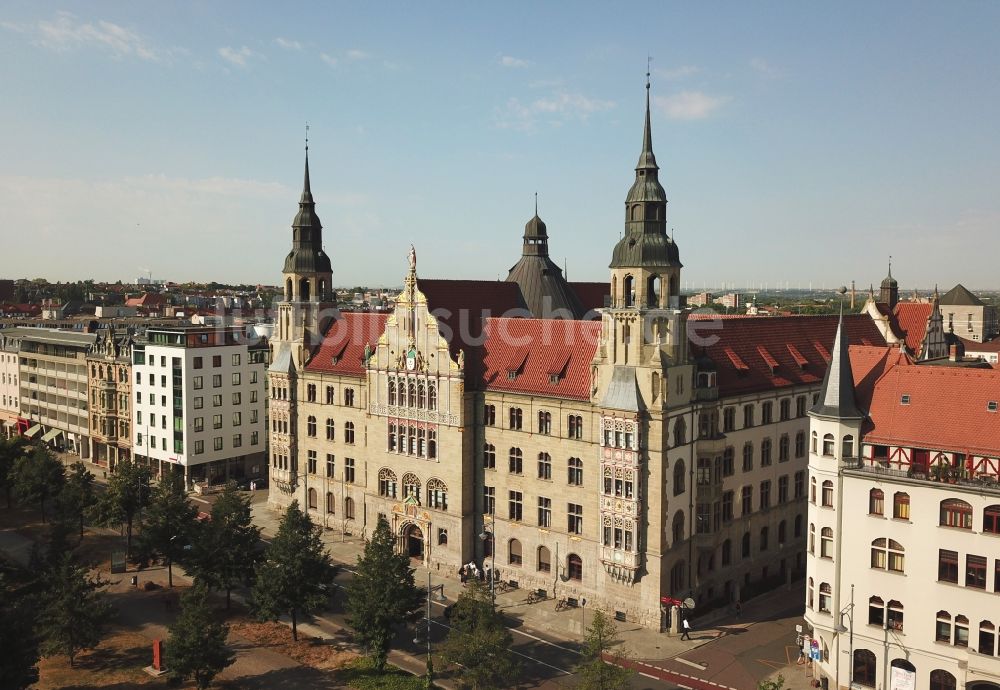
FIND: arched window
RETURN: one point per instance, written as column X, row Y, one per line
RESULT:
column 894, row 612
column 288, row 290
column 956, row 513
column 782, row 532
column 679, row 477
column 942, row 631
column 349, row 508
column 629, row 288
column 331, row 503
column 876, row 502
column 876, row 611
column 387, row 483
column 421, row 396
column 304, row 290
column 727, row 552
column 680, row 432
column 887, row 554
column 514, row 552
column 847, row 447
column 437, row 494
column 942, row 680
column 432, row 397
column 901, row 505
column 312, row 499
column 311, row 427
column 961, row 631
column 574, row 567
column 798, row 526
column 826, row 542
column 812, row 490
column 411, row 486
column 828, row 444
column 653, row 291
column 824, row 597
column 763, row 538
column 987, row 639
column 863, row 672
column 828, row 493
column 392, row 392
column 745, row 545
column 411, row 397
column 678, row 527
column 814, row 437
column 809, row 593
column 544, row 559
column 991, row 519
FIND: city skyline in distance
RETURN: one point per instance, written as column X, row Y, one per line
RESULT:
column 798, row 148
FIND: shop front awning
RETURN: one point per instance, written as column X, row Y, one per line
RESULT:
column 33, row 431
column 51, row 435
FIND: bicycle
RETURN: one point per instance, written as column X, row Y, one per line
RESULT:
column 535, row 597
column 500, row 587
column 562, row 605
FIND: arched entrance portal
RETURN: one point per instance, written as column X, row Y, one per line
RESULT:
column 413, row 541
column 984, row 686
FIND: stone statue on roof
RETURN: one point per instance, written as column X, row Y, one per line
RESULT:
column 413, row 258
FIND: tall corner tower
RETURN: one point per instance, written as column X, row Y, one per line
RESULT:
column 835, row 439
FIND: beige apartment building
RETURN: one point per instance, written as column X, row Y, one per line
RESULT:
column 633, row 457
column 109, row 363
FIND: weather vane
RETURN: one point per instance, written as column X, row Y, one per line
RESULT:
column 307, row 136
column 649, row 62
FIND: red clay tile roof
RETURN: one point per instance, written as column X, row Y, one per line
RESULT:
column 911, row 320
column 343, row 345
column 591, row 295
column 461, row 305
column 946, row 410
column 545, row 342
column 743, row 341
column 868, row 364
column 976, row 346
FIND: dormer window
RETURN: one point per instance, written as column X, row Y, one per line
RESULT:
column 511, row 374
column 905, row 400
column 991, row 406
column 554, row 379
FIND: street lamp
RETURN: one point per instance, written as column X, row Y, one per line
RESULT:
column 840, row 629
column 416, row 639
column 491, row 537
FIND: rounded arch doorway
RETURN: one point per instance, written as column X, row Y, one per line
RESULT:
column 413, row 541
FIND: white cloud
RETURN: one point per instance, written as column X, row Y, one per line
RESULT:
column 556, row 109
column 510, row 61
column 236, row 56
column 354, row 54
column 66, row 32
column 677, row 73
column 287, row 43
column 328, row 59
column 689, row 105
column 764, row 68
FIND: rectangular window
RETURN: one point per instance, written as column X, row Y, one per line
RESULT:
column 236, row 359
column 746, row 500
column 253, row 397
column 216, row 360
column 975, row 571
column 216, row 401
column 766, row 413
column 747, row 416
column 349, row 470
column 197, row 362
column 198, row 383
column 236, row 378
column 199, row 423
column 515, row 506
column 217, row 421
column 544, row 512
column 544, row 466
column 948, row 566
column 515, row 418
column 216, row 380
column 311, row 462
column 237, row 398
column 237, row 418
column 574, row 523
column 217, row 443
column 254, row 438
column 349, row 397
column 765, row 494
column 329, row 395
column 489, row 415
column 330, row 469
column 727, row 507
column 237, row 440
column 800, row 484
column 783, row 489
column 729, row 419
column 489, row 500
column 254, row 416
column 199, row 447
column 199, row 402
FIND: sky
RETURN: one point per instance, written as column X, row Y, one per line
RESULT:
column 799, row 143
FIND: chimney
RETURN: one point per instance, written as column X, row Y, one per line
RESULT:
column 953, row 353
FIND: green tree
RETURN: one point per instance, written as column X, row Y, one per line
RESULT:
column 77, row 496
column 38, row 477
column 74, row 612
column 594, row 672
column 197, row 647
column 19, row 660
column 224, row 550
column 382, row 595
column 479, row 642
column 10, row 451
column 169, row 523
column 772, row 684
column 296, row 574
column 127, row 494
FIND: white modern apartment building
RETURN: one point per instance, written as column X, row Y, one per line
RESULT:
column 903, row 564
column 200, row 402
column 10, row 404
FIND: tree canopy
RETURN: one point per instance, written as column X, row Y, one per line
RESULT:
column 197, row 646
column 479, row 642
column 169, row 523
column 38, row 477
column 74, row 611
column 296, row 575
column 602, row 641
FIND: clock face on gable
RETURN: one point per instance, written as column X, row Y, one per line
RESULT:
column 411, row 360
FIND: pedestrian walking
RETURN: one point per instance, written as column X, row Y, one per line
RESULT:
column 461, row 574
column 686, row 635
column 739, row 609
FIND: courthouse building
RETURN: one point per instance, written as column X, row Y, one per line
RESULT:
column 591, row 439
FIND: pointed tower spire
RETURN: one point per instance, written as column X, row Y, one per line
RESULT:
column 836, row 396
column 646, row 159
column 307, row 197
